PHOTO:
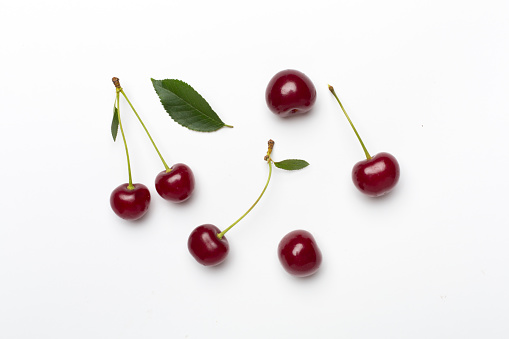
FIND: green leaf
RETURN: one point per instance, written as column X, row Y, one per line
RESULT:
column 186, row 106
column 291, row 164
column 114, row 124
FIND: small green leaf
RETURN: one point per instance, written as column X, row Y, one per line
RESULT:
column 114, row 124
column 291, row 164
column 186, row 106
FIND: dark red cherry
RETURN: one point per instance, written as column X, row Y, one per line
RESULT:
column 299, row 254
column 206, row 247
column 130, row 204
column 376, row 176
column 176, row 185
column 290, row 92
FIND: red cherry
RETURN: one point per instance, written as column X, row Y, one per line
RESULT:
column 176, row 185
column 376, row 176
column 130, row 204
column 299, row 254
column 206, row 247
column 290, row 92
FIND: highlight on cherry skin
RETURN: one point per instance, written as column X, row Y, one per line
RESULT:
column 299, row 254
column 378, row 174
column 130, row 203
column 176, row 184
column 289, row 93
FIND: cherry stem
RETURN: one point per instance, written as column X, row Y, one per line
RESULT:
column 116, row 82
column 168, row 169
column 269, row 161
column 117, row 103
column 229, row 126
column 350, row 121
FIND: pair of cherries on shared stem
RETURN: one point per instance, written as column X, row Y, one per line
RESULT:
column 131, row 201
column 297, row 251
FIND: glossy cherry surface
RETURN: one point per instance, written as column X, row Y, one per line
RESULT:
column 290, row 92
column 299, row 253
column 205, row 246
column 376, row 176
column 176, row 185
column 130, row 204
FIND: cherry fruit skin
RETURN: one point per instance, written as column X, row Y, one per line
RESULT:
column 289, row 93
column 299, row 253
column 205, row 246
column 130, row 204
column 376, row 176
column 176, row 185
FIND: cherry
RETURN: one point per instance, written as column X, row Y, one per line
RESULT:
column 130, row 203
column 376, row 175
column 177, row 184
column 206, row 247
column 299, row 254
column 290, row 92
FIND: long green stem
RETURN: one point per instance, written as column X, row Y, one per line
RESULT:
column 220, row 235
column 130, row 186
column 350, row 121
column 146, row 130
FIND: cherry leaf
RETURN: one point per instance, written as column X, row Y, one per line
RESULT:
column 186, row 106
column 114, row 124
column 291, row 164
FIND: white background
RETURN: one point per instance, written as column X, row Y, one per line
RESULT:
column 427, row 81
